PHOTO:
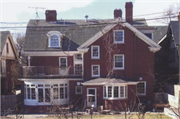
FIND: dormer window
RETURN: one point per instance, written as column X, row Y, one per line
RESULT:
column 54, row 39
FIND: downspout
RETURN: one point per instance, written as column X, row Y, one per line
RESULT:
column 134, row 56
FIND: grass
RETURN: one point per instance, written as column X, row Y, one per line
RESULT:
column 120, row 116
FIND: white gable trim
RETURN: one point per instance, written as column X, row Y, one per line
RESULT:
column 154, row 47
column 97, row 36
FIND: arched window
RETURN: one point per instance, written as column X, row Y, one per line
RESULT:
column 54, row 41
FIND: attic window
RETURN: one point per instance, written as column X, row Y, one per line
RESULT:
column 54, row 39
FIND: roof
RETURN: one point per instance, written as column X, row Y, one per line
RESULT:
column 103, row 81
column 174, row 25
column 4, row 36
column 159, row 33
column 75, row 32
column 139, row 34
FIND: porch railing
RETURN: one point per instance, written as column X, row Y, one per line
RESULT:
column 46, row 71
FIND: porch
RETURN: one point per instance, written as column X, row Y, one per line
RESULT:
column 50, row 71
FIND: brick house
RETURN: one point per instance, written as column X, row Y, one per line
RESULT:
column 8, row 57
column 87, row 62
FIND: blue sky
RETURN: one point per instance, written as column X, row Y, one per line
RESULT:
column 19, row 11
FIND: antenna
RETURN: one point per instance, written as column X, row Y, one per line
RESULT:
column 37, row 16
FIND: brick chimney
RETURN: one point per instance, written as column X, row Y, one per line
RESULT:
column 117, row 13
column 51, row 15
column 129, row 12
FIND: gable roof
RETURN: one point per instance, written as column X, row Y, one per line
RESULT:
column 5, row 35
column 143, row 37
column 75, row 32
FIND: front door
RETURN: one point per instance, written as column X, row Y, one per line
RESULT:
column 91, row 97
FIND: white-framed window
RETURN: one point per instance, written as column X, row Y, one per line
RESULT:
column 78, row 90
column 78, row 57
column 63, row 61
column 54, row 39
column 55, row 91
column 95, row 52
column 115, row 92
column 119, row 61
column 95, row 71
column 141, row 88
column 118, row 36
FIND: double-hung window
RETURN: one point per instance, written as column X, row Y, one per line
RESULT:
column 118, row 36
column 119, row 61
column 95, row 70
column 141, row 88
column 63, row 62
column 95, row 52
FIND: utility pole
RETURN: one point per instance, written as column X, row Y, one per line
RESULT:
column 37, row 16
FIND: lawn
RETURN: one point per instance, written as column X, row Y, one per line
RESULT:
column 120, row 116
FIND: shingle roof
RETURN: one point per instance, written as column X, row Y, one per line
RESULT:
column 76, row 32
column 159, row 33
column 4, row 36
column 175, row 30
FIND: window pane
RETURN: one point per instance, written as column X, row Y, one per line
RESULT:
column 141, row 88
column 78, row 89
column 109, row 91
column 55, row 93
column 25, row 91
column 121, row 91
column 62, row 93
column 28, row 92
column 95, row 52
column 125, row 91
column 66, row 92
column 95, row 70
column 47, row 95
column 118, row 36
column 40, row 95
column 78, row 69
column 63, row 62
column 104, row 91
column 116, row 91
column 54, row 41
column 118, row 61
column 33, row 94
column 78, row 57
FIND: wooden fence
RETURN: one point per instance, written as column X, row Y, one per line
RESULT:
column 8, row 101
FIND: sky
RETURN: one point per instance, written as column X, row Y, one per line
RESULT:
column 24, row 10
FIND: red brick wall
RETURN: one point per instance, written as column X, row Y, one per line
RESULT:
column 49, row 61
column 75, row 99
column 139, row 61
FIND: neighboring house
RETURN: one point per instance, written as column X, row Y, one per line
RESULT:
column 167, row 59
column 8, row 56
column 87, row 62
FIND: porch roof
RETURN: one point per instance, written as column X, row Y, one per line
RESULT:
column 105, row 81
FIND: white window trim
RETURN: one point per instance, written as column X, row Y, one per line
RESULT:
column 60, row 62
column 118, row 68
column 143, row 94
column 76, row 90
column 92, row 52
column 98, row 71
column 118, row 42
column 115, row 98
column 51, row 33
